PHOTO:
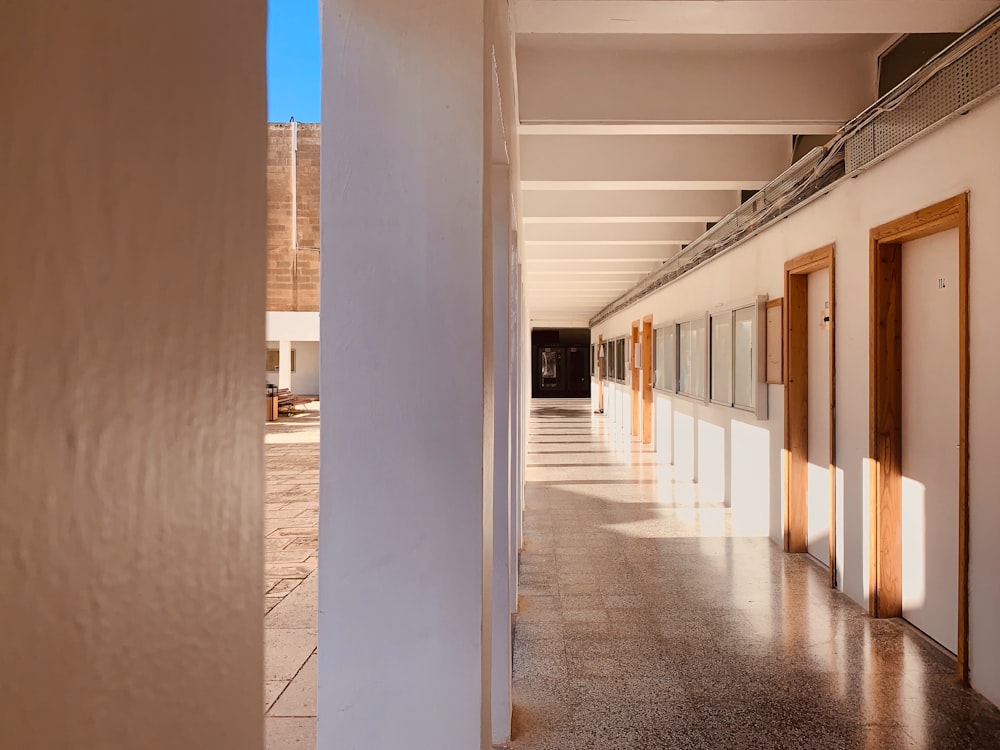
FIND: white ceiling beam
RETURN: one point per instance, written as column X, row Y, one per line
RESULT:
column 659, row 233
column 609, row 91
column 691, row 127
column 550, row 207
column 594, row 266
column 575, row 284
column 602, row 162
column 746, row 16
column 573, row 253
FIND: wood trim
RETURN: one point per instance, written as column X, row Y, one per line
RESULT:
column 633, row 339
column 796, row 413
column 939, row 217
column 796, row 380
column 885, row 414
column 833, row 418
column 809, row 262
column 601, row 365
column 647, row 380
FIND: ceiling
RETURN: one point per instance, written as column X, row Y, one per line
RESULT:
column 642, row 120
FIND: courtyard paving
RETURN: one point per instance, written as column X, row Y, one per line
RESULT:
column 290, row 602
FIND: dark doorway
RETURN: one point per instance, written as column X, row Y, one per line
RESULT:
column 559, row 363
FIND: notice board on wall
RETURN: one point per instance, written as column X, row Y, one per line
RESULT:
column 775, row 343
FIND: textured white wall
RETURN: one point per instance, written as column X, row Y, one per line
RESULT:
column 406, row 530
column 131, row 449
column 959, row 157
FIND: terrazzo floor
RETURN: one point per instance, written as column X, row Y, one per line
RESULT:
column 646, row 623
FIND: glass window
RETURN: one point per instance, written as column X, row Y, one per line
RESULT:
column 620, row 356
column 691, row 357
column 664, row 358
column 744, row 372
column 722, row 358
column 273, row 358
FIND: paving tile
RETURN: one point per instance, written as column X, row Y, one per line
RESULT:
column 299, row 698
column 290, row 734
column 286, row 650
column 272, row 689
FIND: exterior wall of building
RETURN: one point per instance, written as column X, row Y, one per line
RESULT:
column 709, row 441
column 293, row 209
column 305, row 377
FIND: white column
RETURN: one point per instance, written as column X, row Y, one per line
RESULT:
column 285, row 364
column 132, row 249
column 406, row 314
column 501, row 668
column 516, row 430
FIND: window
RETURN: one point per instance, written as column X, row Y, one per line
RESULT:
column 734, row 371
column 592, row 358
column 722, row 358
column 692, row 355
column 665, row 358
column 744, row 371
column 620, row 359
column 273, row 359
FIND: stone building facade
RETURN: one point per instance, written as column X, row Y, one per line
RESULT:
column 293, row 238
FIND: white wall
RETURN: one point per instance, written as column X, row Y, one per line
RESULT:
column 292, row 326
column 305, row 379
column 961, row 156
column 132, row 243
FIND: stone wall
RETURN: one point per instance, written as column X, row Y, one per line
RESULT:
column 293, row 235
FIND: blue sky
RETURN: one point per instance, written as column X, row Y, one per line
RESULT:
column 293, row 60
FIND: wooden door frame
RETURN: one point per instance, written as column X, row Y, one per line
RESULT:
column 796, row 358
column 633, row 339
column 647, row 379
column 885, row 588
column 600, row 374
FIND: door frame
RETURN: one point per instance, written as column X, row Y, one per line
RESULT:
column 647, row 380
column 885, row 589
column 633, row 339
column 600, row 374
column 796, row 374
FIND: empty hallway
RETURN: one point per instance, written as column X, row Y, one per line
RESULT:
column 645, row 623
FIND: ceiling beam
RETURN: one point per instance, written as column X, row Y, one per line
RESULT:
column 572, row 253
column 746, row 16
column 659, row 233
column 550, row 207
column 637, row 162
column 608, row 90
column 595, row 266
column 687, row 127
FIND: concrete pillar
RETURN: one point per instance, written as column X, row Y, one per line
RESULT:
column 406, row 313
column 502, row 634
column 285, row 364
column 516, row 430
column 132, row 231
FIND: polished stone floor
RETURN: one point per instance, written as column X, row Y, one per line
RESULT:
column 644, row 623
column 291, row 526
